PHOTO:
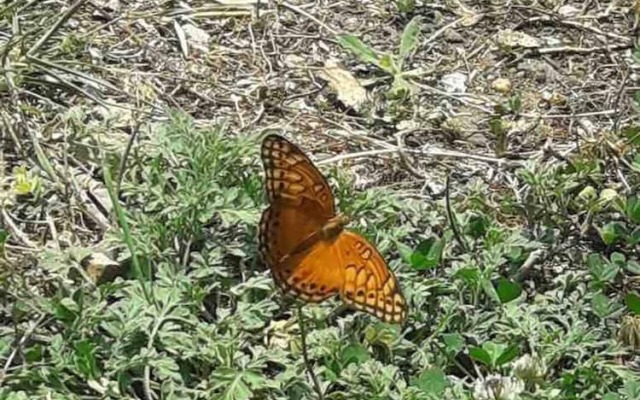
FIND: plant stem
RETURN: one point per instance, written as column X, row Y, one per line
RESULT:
column 305, row 356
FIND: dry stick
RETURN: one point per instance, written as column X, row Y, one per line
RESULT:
column 403, row 157
column 17, row 233
column 19, row 345
column 452, row 218
column 583, row 50
column 305, row 356
column 367, row 153
column 433, row 152
column 65, row 17
column 442, row 30
column 616, row 105
column 569, row 116
column 311, row 17
column 578, row 25
column 125, row 155
column 462, row 98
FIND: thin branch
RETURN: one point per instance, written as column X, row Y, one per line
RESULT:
column 309, row 16
column 430, row 152
column 125, row 155
column 452, row 218
column 32, row 327
column 305, row 356
column 16, row 232
column 64, row 18
column 583, row 50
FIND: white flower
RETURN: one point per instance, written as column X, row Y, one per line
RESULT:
column 530, row 369
column 496, row 387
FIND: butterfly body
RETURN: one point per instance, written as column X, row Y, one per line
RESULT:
column 305, row 244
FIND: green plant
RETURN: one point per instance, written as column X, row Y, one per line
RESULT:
column 389, row 63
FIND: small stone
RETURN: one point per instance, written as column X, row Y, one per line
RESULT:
column 568, row 11
column 455, row 82
column 501, row 85
column 407, row 125
column 513, row 39
column 198, row 38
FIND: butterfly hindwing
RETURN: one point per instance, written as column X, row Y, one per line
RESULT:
column 314, row 274
column 369, row 284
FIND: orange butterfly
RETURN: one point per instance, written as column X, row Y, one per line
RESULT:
column 305, row 245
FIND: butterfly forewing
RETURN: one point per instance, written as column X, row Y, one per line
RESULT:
column 282, row 227
column 291, row 177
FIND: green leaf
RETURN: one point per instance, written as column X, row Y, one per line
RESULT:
column 406, row 6
column 387, row 64
column 610, row 272
column 15, row 395
column 84, row 359
column 66, row 310
column 400, row 88
column 507, row 355
column 494, row 354
column 595, row 262
column 496, row 126
column 494, row 350
column 4, row 236
column 354, row 353
column 432, row 381
column 33, row 354
column 489, row 290
column 632, row 389
column 477, row 226
column 409, row 39
column 24, row 182
column 517, row 255
column 5, row 346
column 602, row 305
column 418, row 261
column 634, row 237
column 405, row 252
column 632, row 300
column 470, row 275
column 633, row 209
column 633, row 267
column 330, row 375
column 618, row 259
column 359, row 49
column 237, row 385
column 611, row 396
column 610, row 233
column 515, row 103
column 635, row 165
column 453, row 342
column 481, row 355
column 428, row 254
column 633, row 134
column 508, row 290
column 600, row 271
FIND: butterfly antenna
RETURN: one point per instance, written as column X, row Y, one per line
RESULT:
column 305, row 356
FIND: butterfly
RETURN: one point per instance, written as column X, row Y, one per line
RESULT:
column 306, row 246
